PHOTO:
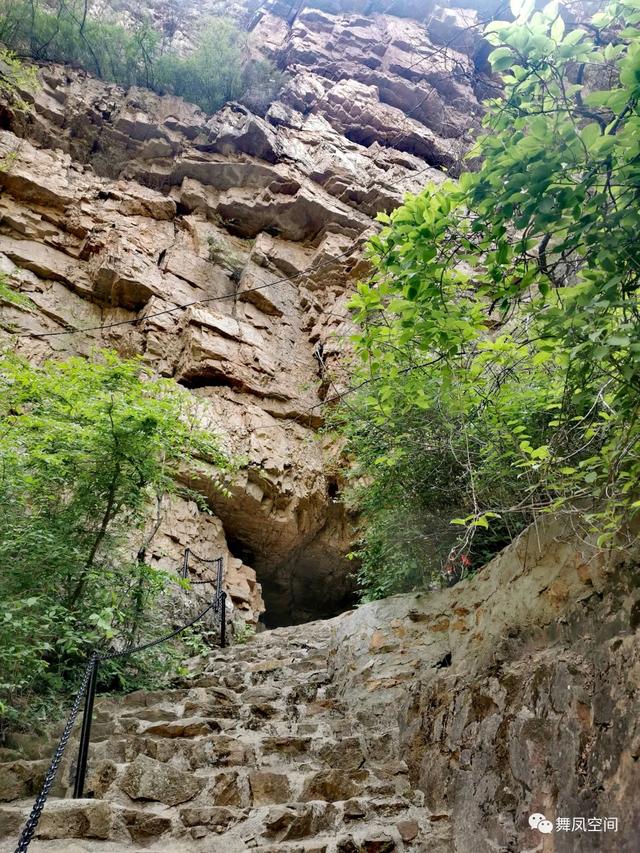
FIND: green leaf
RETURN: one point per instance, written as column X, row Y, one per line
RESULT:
column 557, row 30
column 501, row 58
column 573, row 37
column 590, row 133
column 522, row 9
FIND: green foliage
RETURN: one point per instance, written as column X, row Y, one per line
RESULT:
column 242, row 632
column 11, row 296
column 84, row 447
column 15, row 77
column 60, row 32
column 220, row 254
column 499, row 335
column 193, row 642
column 218, row 70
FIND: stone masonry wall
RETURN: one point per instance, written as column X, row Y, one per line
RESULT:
column 515, row 692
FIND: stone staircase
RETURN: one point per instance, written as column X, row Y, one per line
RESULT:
column 255, row 752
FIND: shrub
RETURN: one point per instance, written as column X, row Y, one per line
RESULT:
column 218, row 69
column 9, row 294
column 499, row 336
column 84, row 448
column 213, row 74
column 15, row 76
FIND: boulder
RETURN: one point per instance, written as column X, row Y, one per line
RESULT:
column 268, row 788
column 147, row 779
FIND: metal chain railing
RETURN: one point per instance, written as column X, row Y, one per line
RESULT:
column 88, row 690
column 123, row 653
column 32, row 821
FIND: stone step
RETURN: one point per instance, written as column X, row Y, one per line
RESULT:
column 306, row 777
column 100, row 820
column 21, row 778
column 195, row 743
column 94, row 819
column 253, row 753
column 286, row 719
column 381, row 841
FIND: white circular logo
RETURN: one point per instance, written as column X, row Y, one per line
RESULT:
column 534, row 820
column 545, row 826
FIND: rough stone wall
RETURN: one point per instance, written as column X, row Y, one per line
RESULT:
column 516, row 692
column 121, row 206
column 434, row 723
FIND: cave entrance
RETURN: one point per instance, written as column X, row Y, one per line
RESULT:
column 314, row 583
column 300, row 601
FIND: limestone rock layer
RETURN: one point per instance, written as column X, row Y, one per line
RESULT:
column 233, row 242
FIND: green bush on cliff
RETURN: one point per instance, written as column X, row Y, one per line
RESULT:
column 218, row 70
column 499, row 335
column 60, row 32
column 85, row 448
column 15, row 76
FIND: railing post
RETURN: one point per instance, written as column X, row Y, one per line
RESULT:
column 222, row 601
column 185, row 564
column 85, row 734
column 223, row 617
column 219, row 576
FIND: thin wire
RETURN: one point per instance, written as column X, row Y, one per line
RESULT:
column 341, row 396
column 287, row 279
column 284, row 280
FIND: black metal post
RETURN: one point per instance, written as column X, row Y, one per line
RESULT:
column 219, row 576
column 85, row 734
column 185, row 564
column 223, row 617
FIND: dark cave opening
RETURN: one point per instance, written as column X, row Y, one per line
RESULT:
column 279, row 613
column 311, row 584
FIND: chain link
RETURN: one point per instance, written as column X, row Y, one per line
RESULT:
column 218, row 604
column 32, row 821
column 203, row 560
column 215, row 605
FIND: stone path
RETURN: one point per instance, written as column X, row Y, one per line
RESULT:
column 254, row 753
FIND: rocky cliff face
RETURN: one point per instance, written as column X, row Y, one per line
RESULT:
column 420, row 723
column 233, row 242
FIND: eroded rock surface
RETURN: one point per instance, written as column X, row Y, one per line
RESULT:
column 518, row 695
column 233, row 241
